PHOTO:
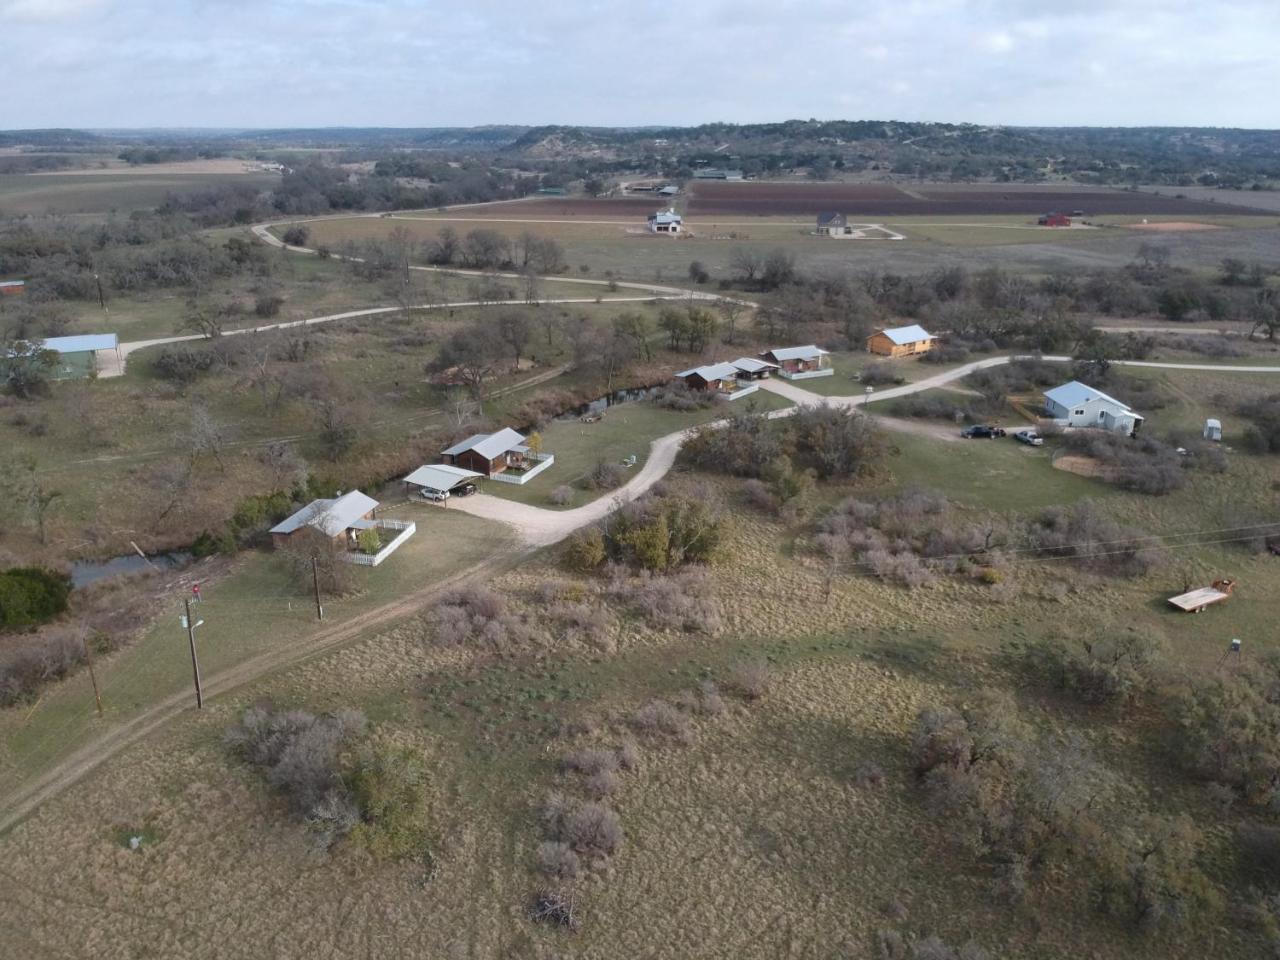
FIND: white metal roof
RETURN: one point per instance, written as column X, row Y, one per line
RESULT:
column 329, row 516
column 666, row 216
column 910, row 334
column 13, row 283
column 82, row 343
column 488, row 445
column 1213, row 422
column 752, row 365
column 809, row 352
column 440, row 476
column 711, row 371
column 1075, row 393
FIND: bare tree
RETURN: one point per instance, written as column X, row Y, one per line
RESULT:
column 169, row 482
column 473, row 353
column 731, row 309
column 28, row 493
column 551, row 324
column 206, row 436
column 283, row 464
column 516, row 332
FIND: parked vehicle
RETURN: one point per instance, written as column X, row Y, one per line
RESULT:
column 466, row 490
column 980, row 431
column 435, row 496
column 1029, row 437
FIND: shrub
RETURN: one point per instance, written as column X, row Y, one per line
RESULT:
column 663, row 532
column 660, row 717
column 673, row 602
column 590, row 828
column 590, row 761
column 582, row 622
column 584, row 551
column 182, row 365
column 369, row 541
column 628, row 755
column 677, row 396
column 601, row 784
column 1143, row 465
column 1120, row 668
column 32, row 595
column 558, row 861
column 297, row 235
column 1083, row 533
column 605, row 476
column 476, row 614
column 750, row 678
column 561, row 495
column 879, row 374
column 554, row 906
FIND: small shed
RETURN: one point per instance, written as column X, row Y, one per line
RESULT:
column 1054, row 220
column 1213, row 429
column 901, row 341
column 12, row 288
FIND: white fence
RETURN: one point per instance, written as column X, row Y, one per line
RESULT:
column 404, row 532
column 808, row 374
column 524, row 476
column 745, row 389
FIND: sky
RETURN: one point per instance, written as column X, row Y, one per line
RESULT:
column 304, row 63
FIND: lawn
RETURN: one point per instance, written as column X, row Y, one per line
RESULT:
column 257, row 610
column 627, row 430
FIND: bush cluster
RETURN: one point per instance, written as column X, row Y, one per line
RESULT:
column 336, row 777
column 476, row 614
column 1084, row 533
column 32, row 595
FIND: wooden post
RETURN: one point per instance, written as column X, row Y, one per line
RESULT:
column 195, row 664
column 93, row 677
column 315, row 582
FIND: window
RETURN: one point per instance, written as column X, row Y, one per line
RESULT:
column 1078, row 413
column 1101, row 414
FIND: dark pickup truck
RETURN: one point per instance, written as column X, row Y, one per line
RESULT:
column 980, row 431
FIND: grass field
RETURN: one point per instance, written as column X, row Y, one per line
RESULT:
column 254, row 610
column 972, row 241
column 761, row 815
column 626, row 430
column 97, row 194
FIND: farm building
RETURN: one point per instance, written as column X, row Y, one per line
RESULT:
column 730, row 380
column 503, row 456
column 11, row 288
column 831, row 224
column 77, row 356
column 437, row 480
column 799, row 363
column 901, row 341
column 343, row 519
column 715, row 173
column 1054, row 220
column 1076, row 404
column 668, row 190
column 665, row 221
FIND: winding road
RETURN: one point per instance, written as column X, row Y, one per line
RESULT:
column 537, row 527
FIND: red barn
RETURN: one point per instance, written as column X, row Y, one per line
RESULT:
column 9, row 288
column 1054, row 220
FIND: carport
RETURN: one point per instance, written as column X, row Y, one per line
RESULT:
column 436, row 480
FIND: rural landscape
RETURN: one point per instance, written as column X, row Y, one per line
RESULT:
column 820, row 538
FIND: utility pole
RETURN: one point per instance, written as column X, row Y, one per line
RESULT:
column 102, row 301
column 93, row 677
column 195, row 664
column 315, row 582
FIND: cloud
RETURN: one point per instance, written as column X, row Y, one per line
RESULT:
column 47, row 9
column 103, row 63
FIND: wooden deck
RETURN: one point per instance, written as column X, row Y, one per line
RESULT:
column 1197, row 600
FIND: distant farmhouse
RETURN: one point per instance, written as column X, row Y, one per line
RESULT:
column 1076, row 404
column 715, row 173
column 832, row 224
column 799, row 363
column 1054, row 220
column 665, row 221
column 11, row 288
column 901, row 341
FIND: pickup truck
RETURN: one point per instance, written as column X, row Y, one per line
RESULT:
column 1029, row 437
column 981, row 431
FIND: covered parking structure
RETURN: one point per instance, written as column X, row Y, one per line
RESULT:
column 435, row 481
column 78, row 355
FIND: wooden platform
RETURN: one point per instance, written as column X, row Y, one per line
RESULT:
column 1197, row 600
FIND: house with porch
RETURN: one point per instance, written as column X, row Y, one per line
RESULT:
column 76, row 357
column 799, row 363
column 343, row 519
column 907, row 341
column 725, row 379
column 504, row 456
column 1079, row 405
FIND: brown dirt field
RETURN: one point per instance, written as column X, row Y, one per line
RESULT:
column 1173, row 226
column 570, row 207
column 884, row 200
column 1080, row 466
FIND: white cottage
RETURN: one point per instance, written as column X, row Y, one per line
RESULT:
column 1077, row 404
column 665, row 221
